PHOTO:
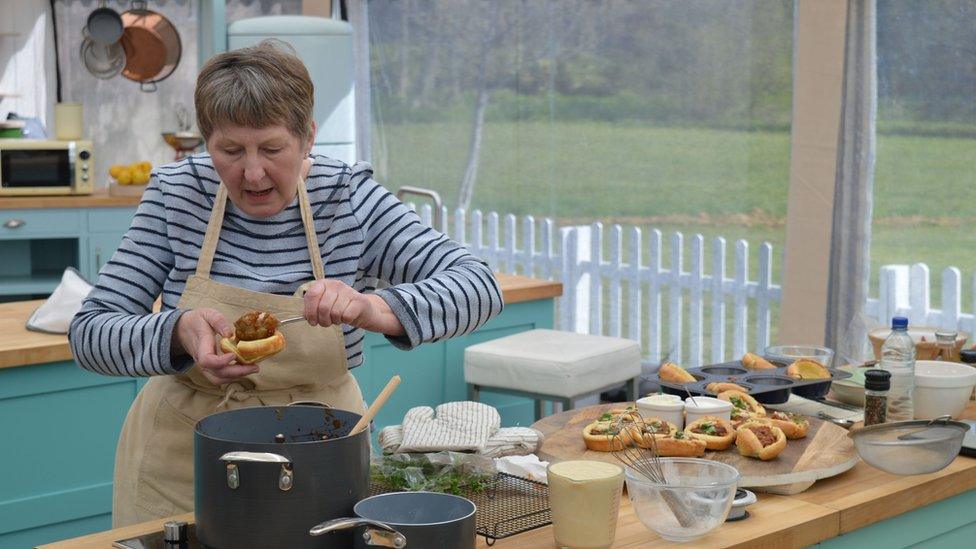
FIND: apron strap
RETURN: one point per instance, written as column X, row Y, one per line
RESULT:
column 212, row 237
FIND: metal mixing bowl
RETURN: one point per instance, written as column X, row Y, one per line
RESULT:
column 910, row 447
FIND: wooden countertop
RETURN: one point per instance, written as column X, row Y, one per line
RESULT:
column 98, row 199
column 857, row 498
column 21, row 347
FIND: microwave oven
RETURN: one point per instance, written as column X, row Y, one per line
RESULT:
column 34, row 167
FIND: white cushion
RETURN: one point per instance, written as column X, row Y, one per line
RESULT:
column 550, row 362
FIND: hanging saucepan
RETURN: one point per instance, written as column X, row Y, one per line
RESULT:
column 102, row 61
column 104, row 25
column 152, row 46
column 408, row 519
column 254, row 488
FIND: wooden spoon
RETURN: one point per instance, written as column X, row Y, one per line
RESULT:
column 376, row 405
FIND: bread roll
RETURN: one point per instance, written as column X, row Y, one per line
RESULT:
column 760, row 439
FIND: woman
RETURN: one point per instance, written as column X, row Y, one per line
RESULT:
column 257, row 224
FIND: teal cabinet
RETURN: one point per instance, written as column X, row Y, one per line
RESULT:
column 38, row 244
column 60, row 425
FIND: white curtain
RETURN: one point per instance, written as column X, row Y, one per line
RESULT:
column 27, row 76
column 850, row 255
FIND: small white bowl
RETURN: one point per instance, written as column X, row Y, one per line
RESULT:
column 699, row 407
column 662, row 406
column 942, row 388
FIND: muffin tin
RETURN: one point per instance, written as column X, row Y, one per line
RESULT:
column 770, row 386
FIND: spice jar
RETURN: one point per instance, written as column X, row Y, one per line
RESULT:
column 946, row 343
column 876, row 385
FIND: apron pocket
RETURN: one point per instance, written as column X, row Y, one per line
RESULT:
column 165, row 485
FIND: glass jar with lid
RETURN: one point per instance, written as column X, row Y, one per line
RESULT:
column 946, row 346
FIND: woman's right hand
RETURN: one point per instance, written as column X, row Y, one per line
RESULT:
column 194, row 335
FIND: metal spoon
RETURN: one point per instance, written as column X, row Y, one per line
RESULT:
column 290, row 320
column 845, row 423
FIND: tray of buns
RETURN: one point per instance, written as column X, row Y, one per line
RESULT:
column 769, row 382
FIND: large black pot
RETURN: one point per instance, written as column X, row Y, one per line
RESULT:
column 251, row 491
column 422, row 520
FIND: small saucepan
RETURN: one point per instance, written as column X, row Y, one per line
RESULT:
column 409, row 519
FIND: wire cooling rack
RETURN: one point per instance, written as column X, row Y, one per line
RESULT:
column 510, row 505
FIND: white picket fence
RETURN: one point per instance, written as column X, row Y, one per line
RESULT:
column 669, row 308
column 904, row 291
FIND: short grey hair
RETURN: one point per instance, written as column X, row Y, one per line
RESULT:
column 257, row 86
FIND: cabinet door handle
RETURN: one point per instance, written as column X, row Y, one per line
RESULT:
column 14, row 223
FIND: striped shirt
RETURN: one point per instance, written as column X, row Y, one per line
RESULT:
column 368, row 239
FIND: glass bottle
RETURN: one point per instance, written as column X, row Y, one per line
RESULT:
column 946, row 342
column 876, row 385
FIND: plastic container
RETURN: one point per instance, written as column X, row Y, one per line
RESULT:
column 898, row 357
column 788, row 354
column 695, row 501
column 670, row 408
column 702, row 406
column 942, row 388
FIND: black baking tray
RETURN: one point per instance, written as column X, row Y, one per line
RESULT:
column 771, row 386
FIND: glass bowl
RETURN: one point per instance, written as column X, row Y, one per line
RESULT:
column 788, row 354
column 695, row 501
column 910, row 447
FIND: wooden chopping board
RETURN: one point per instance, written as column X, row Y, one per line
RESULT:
column 826, row 451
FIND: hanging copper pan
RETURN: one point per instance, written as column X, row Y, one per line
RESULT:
column 152, row 46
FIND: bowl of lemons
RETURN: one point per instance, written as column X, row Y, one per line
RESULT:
column 129, row 179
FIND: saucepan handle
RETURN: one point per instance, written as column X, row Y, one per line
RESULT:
column 286, row 477
column 377, row 534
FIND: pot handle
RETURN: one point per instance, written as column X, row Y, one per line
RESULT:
column 377, row 534
column 255, row 457
column 285, row 477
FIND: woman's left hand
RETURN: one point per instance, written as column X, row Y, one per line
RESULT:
column 329, row 302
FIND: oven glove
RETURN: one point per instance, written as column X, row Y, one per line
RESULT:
column 507, row 441
column 456, row 426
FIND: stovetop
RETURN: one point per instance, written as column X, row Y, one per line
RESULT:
column 156, row 540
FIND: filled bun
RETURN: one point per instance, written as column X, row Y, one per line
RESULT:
column 753, row 361
column 794, row 426
column 720, row 387
column 743, row 402
column 651, row 428
column 254, row 351
column 680, row 445
column 805, row 368
column 606, row 436
column 675, row 374
column 717, row 433
column 760, row 439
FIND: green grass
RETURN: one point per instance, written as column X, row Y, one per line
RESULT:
column 714, row 182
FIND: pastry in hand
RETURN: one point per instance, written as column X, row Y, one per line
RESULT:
column 680, row 445
column 256, row 337
column 606, row 436
column 760, row 440
column 720, row 387
column 717, row 433
column 741, row 400
column 643, row 431
column 794, row 426
column 753, row 361
column 675, row 374
column 805, row 368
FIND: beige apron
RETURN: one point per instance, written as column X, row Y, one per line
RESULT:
column 154, row 460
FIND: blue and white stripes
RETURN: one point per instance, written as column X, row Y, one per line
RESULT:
column 366, row 237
